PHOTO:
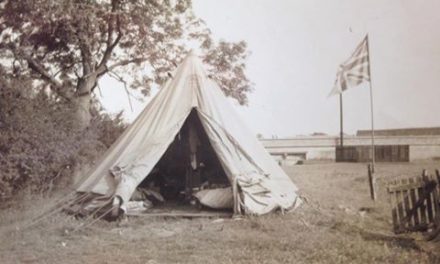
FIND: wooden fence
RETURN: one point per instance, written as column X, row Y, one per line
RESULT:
column 384, row 153
column 415, row 203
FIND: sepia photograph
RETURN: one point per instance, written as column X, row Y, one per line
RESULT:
column 233, row 131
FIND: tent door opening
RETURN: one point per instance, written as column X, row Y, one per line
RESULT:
column 189, row 172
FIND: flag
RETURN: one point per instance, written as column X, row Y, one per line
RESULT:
column 353, row 71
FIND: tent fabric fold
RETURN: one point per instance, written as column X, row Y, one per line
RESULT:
column 262, row 184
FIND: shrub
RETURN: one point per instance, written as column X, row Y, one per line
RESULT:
column 39, row 140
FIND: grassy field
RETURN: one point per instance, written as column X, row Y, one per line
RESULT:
column 338, row 223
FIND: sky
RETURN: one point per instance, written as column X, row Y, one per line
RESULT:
column 295, row 49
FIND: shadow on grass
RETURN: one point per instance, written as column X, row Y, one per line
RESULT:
column 406, row 243
column 402, row 242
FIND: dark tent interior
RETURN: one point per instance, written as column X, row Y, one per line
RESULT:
column 189, row 164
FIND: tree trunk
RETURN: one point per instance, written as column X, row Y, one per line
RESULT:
column 82, row 113
column 83, row 100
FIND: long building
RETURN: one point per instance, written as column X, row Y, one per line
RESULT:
column 424, row 145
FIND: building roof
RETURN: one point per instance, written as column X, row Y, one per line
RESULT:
column 417, row 131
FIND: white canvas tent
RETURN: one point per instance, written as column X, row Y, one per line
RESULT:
column 260, row 185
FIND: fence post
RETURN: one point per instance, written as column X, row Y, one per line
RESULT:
column 372, row 182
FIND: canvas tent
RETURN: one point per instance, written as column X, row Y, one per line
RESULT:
column 259, row 185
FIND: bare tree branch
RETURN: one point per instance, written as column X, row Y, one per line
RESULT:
column 111, row 44
column 120, row 79
column 38, row 68
column 86, row 57
column 126, row 62
column 55, row 85
column 66, row 68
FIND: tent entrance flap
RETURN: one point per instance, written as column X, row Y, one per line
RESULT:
column 188, row 166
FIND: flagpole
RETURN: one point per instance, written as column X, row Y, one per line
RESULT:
column 373, row 155
column 342, row 124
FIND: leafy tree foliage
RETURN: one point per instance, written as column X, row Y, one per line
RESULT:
column 68, row 45
column 41, row 145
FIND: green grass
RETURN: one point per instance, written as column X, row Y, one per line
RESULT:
column 328, row 228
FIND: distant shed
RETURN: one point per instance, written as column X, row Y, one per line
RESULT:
column 392, row 145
